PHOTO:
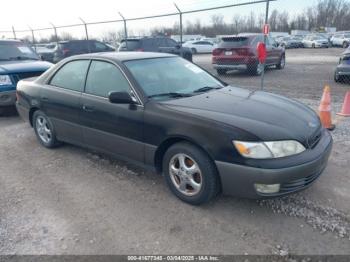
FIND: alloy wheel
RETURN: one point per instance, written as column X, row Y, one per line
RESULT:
column 43, row 129
column 185, row 174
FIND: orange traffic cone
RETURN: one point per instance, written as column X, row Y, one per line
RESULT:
column 325, row 109
column 346, row 106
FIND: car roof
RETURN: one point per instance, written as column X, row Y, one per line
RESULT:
column 123, row 56
column 10, row 41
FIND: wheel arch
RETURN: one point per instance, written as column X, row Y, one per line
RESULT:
column 170, row 141
column 31, row 114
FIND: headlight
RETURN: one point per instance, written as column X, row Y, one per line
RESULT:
column 265, row 150
column 5, row 80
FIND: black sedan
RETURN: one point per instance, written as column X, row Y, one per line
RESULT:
column 342, row 72
column 166, row 113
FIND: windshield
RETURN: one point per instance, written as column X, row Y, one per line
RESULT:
column 16, row 51
column 171, row 75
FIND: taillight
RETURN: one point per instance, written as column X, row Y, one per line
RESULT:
column 242, row 51
column 217, row 51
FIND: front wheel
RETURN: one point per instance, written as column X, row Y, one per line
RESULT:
column 345, row 44
column 190, row 174
column 44, row 130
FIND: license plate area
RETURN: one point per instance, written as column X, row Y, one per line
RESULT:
column 228, row 52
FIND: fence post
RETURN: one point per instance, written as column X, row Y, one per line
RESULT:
column 55, row 30
column 14, row 32
column 86, row 34
column 33, row 38
column 265, row 41
column 125, row 30
column 181, row 33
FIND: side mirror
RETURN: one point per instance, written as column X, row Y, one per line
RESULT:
column 121, row 98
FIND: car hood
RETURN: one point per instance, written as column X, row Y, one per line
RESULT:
column 265, row 115
column 22, row 66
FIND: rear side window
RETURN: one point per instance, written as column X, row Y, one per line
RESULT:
column 130, row 44
column 71, row 75
column 234, row 42
column 104, row 78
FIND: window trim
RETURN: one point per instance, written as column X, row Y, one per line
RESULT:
column 139, row 101
column 48, row 81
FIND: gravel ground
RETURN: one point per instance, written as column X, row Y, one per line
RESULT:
column 73, row 201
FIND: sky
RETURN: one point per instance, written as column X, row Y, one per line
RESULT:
column 40, row 13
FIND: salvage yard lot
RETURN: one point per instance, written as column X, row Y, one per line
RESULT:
column 72, row 201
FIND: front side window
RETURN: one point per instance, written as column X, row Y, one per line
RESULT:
column 71, row 75
column 170, row 75
column 103, row 78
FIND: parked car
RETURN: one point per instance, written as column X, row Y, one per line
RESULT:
column 163, row 112
column 155, row 44
column 46, row 51
column 342, row 72
column 200, row 46
column 240, row 53
column 313, row 41
column 342, row 39
column 75, row 47
column 17, row 61
column 290, row 42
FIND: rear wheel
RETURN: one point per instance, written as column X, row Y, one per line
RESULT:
column 190, row 174
column 221, row 71
column 345, row 44
column 44, row 130
column 313, row 46
column 255, row 69
column 282, row 62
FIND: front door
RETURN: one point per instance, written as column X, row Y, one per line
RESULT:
column 113, row 128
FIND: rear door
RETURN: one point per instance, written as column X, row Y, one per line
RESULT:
column 61, row 100
column 113, row 128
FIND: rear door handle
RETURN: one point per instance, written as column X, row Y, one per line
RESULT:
column 88, row 108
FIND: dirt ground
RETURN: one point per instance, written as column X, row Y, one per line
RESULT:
column 72, row 201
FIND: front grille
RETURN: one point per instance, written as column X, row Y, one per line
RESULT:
column 299, row 183
column 20, row 76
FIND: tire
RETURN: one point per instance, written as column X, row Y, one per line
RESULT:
column 345, row 44
column 254, row 70
column 221, row 71
column 194, row 50
column 313, row 46
column 44, row 130
column 205, row 179
column 337, row 78
column 282, row 62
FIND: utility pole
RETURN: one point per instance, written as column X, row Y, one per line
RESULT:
column 55, row 31
column 14, row 32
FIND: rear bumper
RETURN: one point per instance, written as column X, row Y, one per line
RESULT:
column 8, row 98
column 239, row 180
column 231, row 67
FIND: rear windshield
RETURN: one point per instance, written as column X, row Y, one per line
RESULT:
column 234, row 41
column 130, row 44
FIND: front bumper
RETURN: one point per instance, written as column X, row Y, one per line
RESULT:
column 239, row 180
column 7, row 98
column 343, row 70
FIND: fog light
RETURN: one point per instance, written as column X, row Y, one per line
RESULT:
column 267, row 189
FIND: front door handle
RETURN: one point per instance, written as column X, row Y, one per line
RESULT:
column 88, row 108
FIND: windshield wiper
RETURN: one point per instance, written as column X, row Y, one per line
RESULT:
column 206, row 89
column 170, row 95
column 23, row 58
